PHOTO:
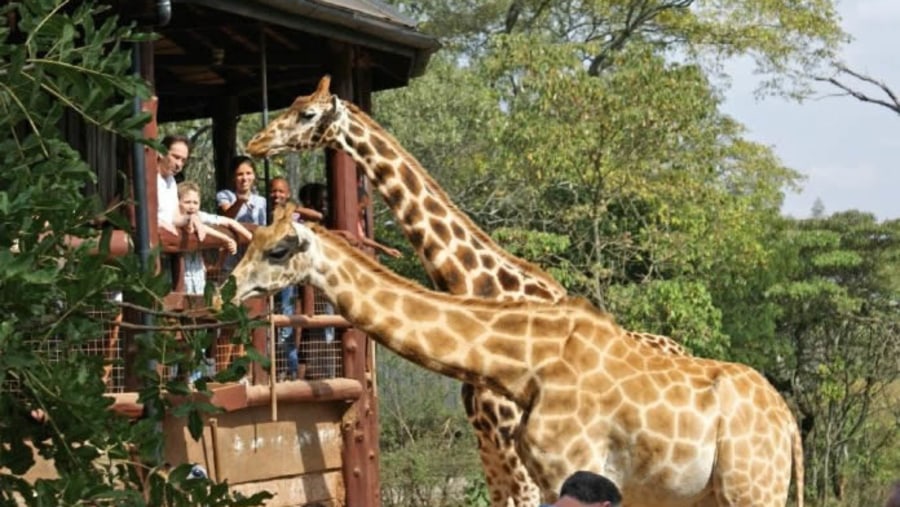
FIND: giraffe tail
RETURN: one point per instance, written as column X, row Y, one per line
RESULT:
column 797, row 453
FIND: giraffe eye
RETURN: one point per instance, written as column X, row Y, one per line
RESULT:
column 307, row 115
column 279, row 253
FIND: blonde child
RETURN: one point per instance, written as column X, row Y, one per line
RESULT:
column 198, row 223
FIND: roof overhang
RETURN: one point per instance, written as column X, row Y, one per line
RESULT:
column 211, row 51
column 364, row 23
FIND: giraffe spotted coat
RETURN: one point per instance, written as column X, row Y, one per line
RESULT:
column 669, row 430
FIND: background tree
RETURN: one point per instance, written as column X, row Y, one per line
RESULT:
column 427, row 457
column 838, row 318
column 533, row 85
column 787, row 40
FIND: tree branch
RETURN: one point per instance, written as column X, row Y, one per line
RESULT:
column 175, row 327
column 639, row 14
column 892, row 102
column 164, row 313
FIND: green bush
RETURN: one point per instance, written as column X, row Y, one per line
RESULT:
column 61, row 61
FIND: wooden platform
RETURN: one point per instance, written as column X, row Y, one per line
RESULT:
column 297, row 457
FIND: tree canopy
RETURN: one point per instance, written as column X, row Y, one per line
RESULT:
column 589, row 137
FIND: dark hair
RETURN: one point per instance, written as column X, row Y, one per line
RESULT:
column 310, row 193
column 280, row 178
column 171, row 139
column 589, row 487
column 239, row 161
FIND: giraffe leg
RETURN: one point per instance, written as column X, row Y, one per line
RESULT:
column 743, row 480
column 495, row 419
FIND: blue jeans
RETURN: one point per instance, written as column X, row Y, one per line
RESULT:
column 286, row 334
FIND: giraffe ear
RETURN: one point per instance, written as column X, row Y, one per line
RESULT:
column 302, row 239
column 338, row 109
column 296, row 244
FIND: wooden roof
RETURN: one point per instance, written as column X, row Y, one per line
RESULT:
column 212, row 49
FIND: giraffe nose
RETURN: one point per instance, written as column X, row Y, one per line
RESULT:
column 242, row 295
column 257, row 146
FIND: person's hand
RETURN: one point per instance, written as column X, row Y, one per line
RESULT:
column 231, row 245
column 243, row 231
column 39, row 415
column 198, row 226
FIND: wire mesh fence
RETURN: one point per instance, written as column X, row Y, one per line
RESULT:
column 106, row 346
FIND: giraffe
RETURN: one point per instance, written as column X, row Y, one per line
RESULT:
column 669, row 430
column 459, row 257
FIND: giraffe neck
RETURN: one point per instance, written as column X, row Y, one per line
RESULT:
column 473, row 340
column 459, row 257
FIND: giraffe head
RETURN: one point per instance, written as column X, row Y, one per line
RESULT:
column 312, row 121
column 279, row 255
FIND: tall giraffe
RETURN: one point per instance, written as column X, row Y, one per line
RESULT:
column 669, row 430
column 459, row 257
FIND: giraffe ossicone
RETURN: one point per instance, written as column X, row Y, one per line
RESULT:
column 669, row 430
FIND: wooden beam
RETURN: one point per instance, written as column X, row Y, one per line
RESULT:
column 225, row 118
column 297, row 79
column 240, row 59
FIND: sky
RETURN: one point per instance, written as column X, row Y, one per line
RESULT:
column 848, row 151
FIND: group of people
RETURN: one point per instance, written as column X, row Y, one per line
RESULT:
column 178, row 207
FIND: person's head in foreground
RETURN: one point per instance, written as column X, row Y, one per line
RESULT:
column 587, row 489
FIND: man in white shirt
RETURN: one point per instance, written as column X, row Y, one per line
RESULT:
column 168, row 165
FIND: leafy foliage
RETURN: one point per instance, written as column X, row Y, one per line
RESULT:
column 787, row 40
column 63, row 60
column 680, row 309
column 838, row 310
column 428, row 451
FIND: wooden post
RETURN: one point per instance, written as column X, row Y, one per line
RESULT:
column 224, row 135
column 259, row 374
column 151, row 131
column 151, row 172
column 360, row 430
column 149, row 200
column 363, row 97
column 272, row 358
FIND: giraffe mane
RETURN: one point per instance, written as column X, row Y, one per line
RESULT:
column 358, row 257
column 438, row 192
